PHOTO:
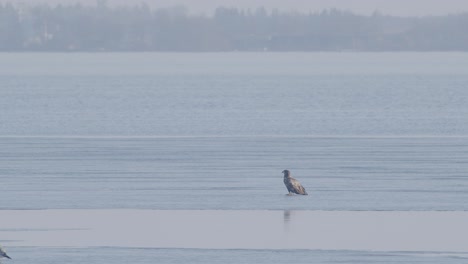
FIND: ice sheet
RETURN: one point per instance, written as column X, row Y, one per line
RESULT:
column 210, row 229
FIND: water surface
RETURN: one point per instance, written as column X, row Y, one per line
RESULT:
column 199, row 256
column 234, row 173
column 362, row 132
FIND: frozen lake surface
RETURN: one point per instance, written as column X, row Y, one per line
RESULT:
column 216, row 236
column 379, row 140
column 225, row 229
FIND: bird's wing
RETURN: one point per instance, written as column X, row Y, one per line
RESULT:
column 289, row 185
column 297, row 187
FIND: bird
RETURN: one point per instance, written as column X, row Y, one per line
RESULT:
column 293, row 185
column 3, row 254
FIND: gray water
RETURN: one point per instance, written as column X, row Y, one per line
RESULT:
column 361, row 131
column 170, row 256
column 234, row 173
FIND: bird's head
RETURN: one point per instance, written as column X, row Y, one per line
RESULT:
column 286, row 173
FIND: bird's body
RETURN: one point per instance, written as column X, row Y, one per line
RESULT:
column 293, row 185
column 3, row 254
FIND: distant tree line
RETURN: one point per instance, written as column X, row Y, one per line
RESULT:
column 140, row 28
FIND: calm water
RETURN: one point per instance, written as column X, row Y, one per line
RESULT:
column 361, row 131
column 234, row 173
column 172, row 256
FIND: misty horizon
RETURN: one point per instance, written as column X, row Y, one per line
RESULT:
column 140, row 28
column 360, row 7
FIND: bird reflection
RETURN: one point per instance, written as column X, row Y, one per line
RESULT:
column 286, row 216
column 286, row 220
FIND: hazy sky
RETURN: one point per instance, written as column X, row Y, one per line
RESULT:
column 394, row 7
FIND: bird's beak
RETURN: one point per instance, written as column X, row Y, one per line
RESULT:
column 6, row 256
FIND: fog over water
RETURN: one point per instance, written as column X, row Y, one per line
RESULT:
column 107, row 27
column 395, row 7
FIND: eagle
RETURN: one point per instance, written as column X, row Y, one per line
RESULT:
column 3, row 254
column 293, row 185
